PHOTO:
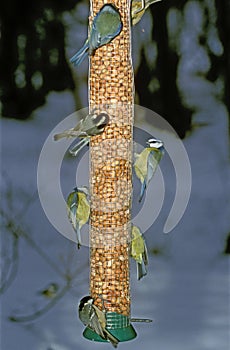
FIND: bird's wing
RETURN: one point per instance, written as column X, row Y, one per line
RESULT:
column 114, row 341
column 137, row 246
column 141, row 270
column 81, row 54
column 67, row 133
column 97, row 321
column 154, row 158
column 140, row 165
column 145, row 254
column 143, row 189
column 78, row 127
column 83, row 210
column 94, row 40
column 72, row 204
column 77, row 147
column 99, row 324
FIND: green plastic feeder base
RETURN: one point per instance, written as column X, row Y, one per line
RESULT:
column 124, row 332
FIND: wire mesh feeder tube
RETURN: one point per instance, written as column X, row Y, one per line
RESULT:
column 111, row 90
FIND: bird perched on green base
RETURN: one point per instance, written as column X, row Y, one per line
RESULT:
column 93, row 124
column 139, row 251
column 92, row 317
column 78, row 209
column 147, row 161
column 105, row 27
column 138, row 8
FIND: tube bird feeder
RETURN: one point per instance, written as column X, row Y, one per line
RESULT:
column 111, row 89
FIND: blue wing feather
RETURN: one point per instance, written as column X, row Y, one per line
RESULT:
column 95, row 40
column 81, row 54
column 143, row 188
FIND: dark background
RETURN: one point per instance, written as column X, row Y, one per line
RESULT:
column 33, row 60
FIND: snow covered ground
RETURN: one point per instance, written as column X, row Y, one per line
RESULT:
column 186, row 291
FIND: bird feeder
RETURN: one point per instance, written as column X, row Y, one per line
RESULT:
column 111, row 89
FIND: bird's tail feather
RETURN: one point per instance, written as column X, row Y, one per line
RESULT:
column 141, row 270
column 76, row 149
column 59, row 136
column 143, row 188
column 80, row 55
column 114, row 341
column 67, row 133
column 78, row 233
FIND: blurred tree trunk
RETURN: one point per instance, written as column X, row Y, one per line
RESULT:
column 166, row 100
column 32, row 59
column 222, row 64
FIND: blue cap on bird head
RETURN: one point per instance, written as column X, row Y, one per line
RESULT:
column 83, row 189
column 155, row 143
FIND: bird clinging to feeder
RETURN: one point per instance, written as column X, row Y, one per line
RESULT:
column 147, row 161
column 105, row 27
column 92, row 317
column 78, row 209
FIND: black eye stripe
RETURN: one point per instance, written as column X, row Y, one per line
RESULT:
column 102, row 126
column 83, row 301
column 101, row 119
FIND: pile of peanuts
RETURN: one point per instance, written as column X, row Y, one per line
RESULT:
column 110, row 277
column 111, row 89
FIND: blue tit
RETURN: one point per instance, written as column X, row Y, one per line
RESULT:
column 138, row 8
column 50, row 291
column 105, row 27
column 93, row 124
column 92, row 317
column 78, row 209
column 139, row 251
column 147, row 161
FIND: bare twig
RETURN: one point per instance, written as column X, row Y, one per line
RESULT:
column 43, row 310
column 12, row 225
column 9, row 274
